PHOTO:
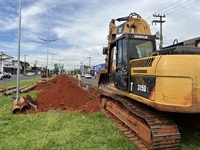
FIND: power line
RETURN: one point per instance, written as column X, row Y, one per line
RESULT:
column 182, row 7
column 168, row 7
column 174, row 6
column 165, row 8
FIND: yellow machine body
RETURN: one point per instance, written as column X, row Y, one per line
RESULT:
column 168, row 81
column 177, row 82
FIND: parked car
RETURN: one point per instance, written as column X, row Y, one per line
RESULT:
column 7, row 75
column 82, row 75
column 1, row 75
column 88, row 76
column 30, row 74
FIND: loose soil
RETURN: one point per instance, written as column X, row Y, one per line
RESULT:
column 62, row 92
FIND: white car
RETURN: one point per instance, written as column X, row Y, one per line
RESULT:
column 82, row 75
column 7, row 75
column 88, row 76
column 30, row 74
column 1, row 75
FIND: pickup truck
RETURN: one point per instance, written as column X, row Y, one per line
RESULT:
column 1, row 75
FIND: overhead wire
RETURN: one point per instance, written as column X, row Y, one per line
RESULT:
column 190, row 33
column 168, row 6
column 182, row 7
column 165, row 8
column 173, row 8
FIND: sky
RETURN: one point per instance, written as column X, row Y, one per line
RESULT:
column 79, row 28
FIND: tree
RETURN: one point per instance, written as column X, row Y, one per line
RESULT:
column 27, row 64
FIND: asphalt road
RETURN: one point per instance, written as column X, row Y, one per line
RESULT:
column 22, row 77
column 90, row 81
column 14, row 78
column 93, row 80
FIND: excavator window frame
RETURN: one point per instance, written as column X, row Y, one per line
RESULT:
column 114, row 44
column 122, row 69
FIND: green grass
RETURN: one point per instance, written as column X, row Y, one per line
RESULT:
column 57, row 130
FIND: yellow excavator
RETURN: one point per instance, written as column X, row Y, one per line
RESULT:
column 149, row 86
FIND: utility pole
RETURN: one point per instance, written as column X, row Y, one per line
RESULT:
column 1, row 62
column 47, row 50
column 25, row 64
column 18, row 54
column 60, row 65
column 161, row 22
column 89, row 60
column 53, row 58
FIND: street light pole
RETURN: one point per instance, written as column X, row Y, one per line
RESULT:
column 47, row 63
column 89, row 61
column 19, row 40
column 47, row 56
column 25, row 64
column 47, row 49
column 1, row 62
column 53, row 56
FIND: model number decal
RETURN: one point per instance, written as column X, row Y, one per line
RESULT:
column 142, row 88
column 139, row 87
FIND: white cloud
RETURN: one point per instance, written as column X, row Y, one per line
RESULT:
column 82, row 26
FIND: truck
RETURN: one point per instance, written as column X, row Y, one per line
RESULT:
column 149, row 87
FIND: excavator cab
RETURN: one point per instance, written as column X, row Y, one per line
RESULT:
column 122, row 51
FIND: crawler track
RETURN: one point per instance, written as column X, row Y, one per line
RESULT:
column 147, row 128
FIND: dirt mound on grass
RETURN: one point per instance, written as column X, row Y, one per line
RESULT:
column 62, row 92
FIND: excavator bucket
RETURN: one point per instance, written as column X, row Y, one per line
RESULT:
column 102, row 77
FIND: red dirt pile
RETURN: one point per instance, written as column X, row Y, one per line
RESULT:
column 62, row 92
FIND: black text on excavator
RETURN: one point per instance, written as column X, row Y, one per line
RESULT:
column 151, row 85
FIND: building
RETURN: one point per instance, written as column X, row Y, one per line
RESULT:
column 192, row 42
column 96, row 68
column 195, row 42
column 8, row 64
column 84, row 68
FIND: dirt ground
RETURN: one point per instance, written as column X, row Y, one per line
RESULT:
column 62, row 92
